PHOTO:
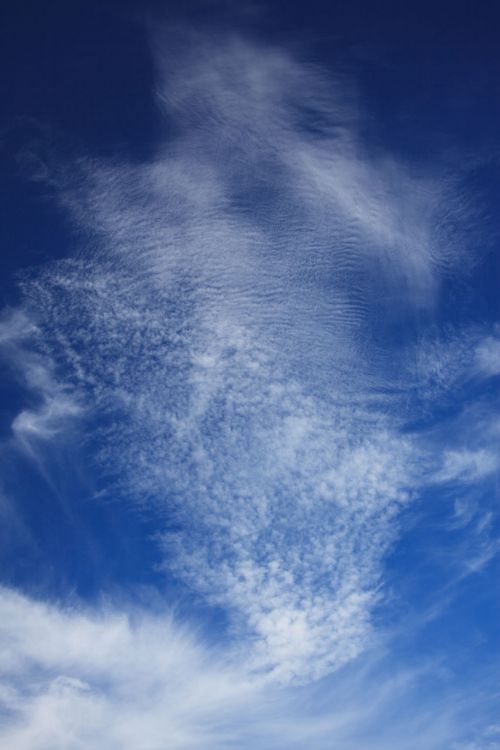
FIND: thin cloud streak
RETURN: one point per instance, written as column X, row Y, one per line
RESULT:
column 56, row 406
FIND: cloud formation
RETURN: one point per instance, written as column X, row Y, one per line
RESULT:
column 122, row 678
column 84, row 679
column 55, row 406
column 219, row 329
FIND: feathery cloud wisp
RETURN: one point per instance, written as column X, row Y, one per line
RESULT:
column 222, row 331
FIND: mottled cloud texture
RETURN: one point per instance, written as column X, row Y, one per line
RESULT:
column 219, row 330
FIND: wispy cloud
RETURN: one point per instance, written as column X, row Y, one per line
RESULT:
column 112, row 677
column 488, row 356
column 75, row 678
column 222, row 329
column 467, row 465
column 55, row 405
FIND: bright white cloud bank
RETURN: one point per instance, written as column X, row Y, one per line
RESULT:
column 74, row 679
column 221, row 334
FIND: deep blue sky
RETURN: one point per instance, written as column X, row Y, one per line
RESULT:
column 81, row 76
column 250, row 356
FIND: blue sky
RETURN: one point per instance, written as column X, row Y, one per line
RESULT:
column 250, row 357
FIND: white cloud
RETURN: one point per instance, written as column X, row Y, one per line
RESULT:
column 55, row 404
column 77, row 679
column 119, row 678
column 222, row 328
column 467, row 465
column 488, row 356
